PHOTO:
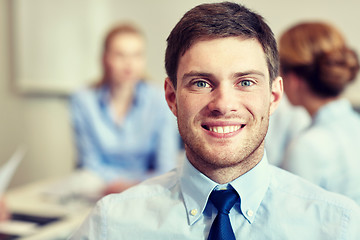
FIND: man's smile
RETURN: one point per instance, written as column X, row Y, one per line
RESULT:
column 222, row 129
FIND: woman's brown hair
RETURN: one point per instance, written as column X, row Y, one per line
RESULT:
column 317, row 52
column 122, row 28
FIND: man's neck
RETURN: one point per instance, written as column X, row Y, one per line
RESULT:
column 223, row 175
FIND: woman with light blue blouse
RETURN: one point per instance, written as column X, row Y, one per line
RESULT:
column 284, row 125
column 317, row 66
column 124, row 131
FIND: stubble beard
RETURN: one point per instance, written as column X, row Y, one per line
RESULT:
column 204, row 159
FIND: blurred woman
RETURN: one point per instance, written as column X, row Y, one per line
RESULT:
column 317, row 66
column 124, row 130
column 285, row 124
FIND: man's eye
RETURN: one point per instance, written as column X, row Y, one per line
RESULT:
column 246, row 83
column 201, row 84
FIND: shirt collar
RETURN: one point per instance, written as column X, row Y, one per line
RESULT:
column 252, row 187
column 104, row 94
column 196, row 189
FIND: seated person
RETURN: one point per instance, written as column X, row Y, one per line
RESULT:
column 124, row 131
column 284, row 125
column 317, row 65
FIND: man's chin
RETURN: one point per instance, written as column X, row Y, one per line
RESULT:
column 218, row 159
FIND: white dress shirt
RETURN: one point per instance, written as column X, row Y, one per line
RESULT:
column 273, row 204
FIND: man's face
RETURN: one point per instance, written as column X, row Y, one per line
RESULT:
column 223, row 101
column 125, row 58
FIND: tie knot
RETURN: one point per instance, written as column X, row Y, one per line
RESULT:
column 224, row 200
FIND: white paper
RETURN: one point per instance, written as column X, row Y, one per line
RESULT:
column 8, row 169
column 80, row 186
column 18, row 228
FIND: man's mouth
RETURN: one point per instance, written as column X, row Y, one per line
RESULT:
column 223, row 129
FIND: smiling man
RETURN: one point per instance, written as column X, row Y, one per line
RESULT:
column 223, row 85
column 223, row 100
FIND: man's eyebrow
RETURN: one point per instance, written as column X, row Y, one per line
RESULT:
column 197, row 74
column 251, row 72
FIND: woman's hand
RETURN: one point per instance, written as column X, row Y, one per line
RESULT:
column 4, row 212
column 118, row 186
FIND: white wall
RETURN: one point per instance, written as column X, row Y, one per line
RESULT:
column 42, row 121
column 39, row 123
column 11, row 126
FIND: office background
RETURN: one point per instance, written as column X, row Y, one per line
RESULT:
column 48, row 48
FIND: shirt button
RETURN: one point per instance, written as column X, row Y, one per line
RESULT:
column 250, row 213
column 193, row 212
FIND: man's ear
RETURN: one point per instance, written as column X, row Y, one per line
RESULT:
column 170, row 96
column 276, row 93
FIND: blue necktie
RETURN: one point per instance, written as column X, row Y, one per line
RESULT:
column 223, row 200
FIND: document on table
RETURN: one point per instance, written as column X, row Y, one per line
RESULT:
column 17, row 228
column 8, row 169
column 80, row 187
column 6, row 173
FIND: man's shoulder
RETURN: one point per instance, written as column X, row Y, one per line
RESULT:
column 144, row 206
column 163, row 186
column 152, row 209
column 293, row 205
column 309, row 195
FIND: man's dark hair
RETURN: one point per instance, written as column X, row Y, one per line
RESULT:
column 219, row 20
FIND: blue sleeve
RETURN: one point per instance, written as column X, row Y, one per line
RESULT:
column 167, row 147
column 89, row 155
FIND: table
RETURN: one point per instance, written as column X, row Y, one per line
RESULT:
column 35, row 199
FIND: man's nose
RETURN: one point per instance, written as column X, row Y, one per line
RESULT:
column 223, row 101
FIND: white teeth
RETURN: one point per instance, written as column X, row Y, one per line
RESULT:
column 225, row 129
